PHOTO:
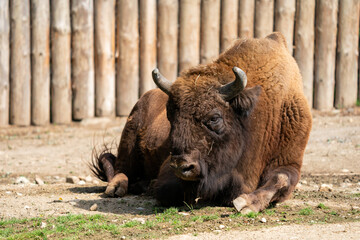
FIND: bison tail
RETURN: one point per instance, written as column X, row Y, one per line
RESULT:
column 102, row 165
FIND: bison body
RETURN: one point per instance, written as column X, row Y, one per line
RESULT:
column 203, row 137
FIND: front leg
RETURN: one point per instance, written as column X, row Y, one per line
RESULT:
column 277, row 186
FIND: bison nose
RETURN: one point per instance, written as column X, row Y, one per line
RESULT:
column 186, row 168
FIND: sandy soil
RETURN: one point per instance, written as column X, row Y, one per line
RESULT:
column 54, row 152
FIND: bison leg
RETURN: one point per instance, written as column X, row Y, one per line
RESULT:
column 277, row 187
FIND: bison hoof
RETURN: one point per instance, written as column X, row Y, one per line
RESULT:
column 120, row 192
column 110, row 191
column 239, row 203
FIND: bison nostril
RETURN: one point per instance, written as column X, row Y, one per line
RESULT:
column 188, row 168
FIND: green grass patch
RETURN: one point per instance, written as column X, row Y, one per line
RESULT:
column 306, row 211
column 322, row 206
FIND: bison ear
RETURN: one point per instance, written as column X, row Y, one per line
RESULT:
column 245, row 102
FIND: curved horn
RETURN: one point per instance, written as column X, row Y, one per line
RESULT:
column 161, row 81
column 230, row 90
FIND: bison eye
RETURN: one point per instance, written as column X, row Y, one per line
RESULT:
column 215, row 123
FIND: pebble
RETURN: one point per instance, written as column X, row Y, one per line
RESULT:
column 304, row 182
column 326, row 188
column 72, row 179
column 123, row 237
column 19, row 194
column 263, row 220
column 22, row 180
column 27, row 207
column 345, row 170
column 88, row 179
column 94, row 207
column 8, row 192
column 140, row 220
column 39, row 181
column 184, row 213
column 222, row 226
column 81, row 182
column 43, row 225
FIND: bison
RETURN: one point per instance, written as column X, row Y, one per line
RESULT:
column 231, row 132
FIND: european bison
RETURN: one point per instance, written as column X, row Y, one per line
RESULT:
column 218, row 133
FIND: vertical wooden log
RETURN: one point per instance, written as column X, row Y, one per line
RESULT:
column 347, row 54
column 284, row 20
column 127, row 68
column 229, row 27
column 246, row 18
column 147, row 44
column 325, row 49
column 40, row 58
column 304, row 44
column 264, row 17
column 82, row 59
column 20, row 70
column 104, row 57
column 60, row 62
column 210, row 30
column 189, row 36
column 4, row 62
column 168, row 38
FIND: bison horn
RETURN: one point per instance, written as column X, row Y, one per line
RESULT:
column 230, row 90
column 161, row 81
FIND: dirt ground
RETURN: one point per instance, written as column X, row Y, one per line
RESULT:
column 54, row 152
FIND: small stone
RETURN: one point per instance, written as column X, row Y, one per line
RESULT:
column 221, row 226
column 26, row 207
column 326, row 188
column 184, row 213
column 39, row 181
column 8, row 192
column 72, row 179
column 43, row 225
column 345, row 170
column 81, row 182
column 22, row 180
column 56, row 177
column 123, row 237
column 88, row 179
column 94, row 207
column 217, row 231
column 140, row 220
column 19, row 194
column 263, row 220
column 304, row 182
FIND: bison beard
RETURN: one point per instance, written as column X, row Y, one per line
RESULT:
column 217, row 133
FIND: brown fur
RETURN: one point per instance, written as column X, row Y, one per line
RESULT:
column 253, row 152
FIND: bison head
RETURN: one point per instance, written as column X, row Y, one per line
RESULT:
column 208, row 124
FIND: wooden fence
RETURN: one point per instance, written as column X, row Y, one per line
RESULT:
column 63, row 60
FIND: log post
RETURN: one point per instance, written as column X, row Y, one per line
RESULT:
column 246, row 18
column 147, row 44
column 40, row 58
column 325, row 50
column 4, row 62
column 168, row 38
column 20, row 70
column 304, row 45
column 264, row 17
column 347, row 54
column 284, row 20
column 210, row 30
column 104, row 57
column 229, row 27
column 127, row 65
column 60, row 62
column 189, row 35
column 82, row 59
